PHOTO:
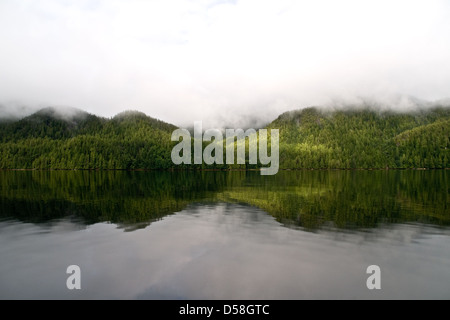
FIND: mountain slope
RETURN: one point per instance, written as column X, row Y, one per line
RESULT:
column 309, row 138
column 49, row 140
column 51, row 123
column 364, row 138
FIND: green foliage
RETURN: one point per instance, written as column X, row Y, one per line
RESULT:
column 364, row 139
column 44, row 141
column 426, row 146
column 309, row 138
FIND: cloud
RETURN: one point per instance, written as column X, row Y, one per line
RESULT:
column 182, row 61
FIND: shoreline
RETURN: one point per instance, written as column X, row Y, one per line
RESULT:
column 185, row 169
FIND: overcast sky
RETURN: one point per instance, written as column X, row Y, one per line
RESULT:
column 181, row 61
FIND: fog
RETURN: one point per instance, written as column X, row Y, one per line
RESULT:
column 227, row 63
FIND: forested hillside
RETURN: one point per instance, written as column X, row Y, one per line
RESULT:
column 45, row 140
column 309, row 138
column 364, row 138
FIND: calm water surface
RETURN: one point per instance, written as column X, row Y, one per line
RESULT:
column 225, row 235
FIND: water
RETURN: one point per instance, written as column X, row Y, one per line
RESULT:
column 225, row 235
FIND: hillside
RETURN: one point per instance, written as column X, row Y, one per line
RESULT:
column 309, row 138
column 51, row 123
column 48, row 140
column 364, row 138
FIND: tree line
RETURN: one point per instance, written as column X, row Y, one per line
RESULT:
column 309, row 138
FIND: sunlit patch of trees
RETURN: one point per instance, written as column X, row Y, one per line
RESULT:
column 309, row 138
column 364, row 139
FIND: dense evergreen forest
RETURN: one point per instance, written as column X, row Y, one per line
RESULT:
column 363, row 138
column 309, row 138
column 47, row 140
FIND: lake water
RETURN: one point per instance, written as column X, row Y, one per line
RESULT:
column 225, row 235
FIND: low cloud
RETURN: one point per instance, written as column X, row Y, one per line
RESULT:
column 228, row 63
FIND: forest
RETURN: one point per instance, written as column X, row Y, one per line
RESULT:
column 310, row 138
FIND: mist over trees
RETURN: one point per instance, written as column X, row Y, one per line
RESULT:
column 363, row 138
column 309, row 138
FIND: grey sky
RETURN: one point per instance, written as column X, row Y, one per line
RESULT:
column 181, row 61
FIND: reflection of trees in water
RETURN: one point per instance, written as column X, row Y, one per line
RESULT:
column 352, row 199
column 309, row 199
column 115, row 196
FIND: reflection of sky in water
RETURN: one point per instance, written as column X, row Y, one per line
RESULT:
column 222, row 251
